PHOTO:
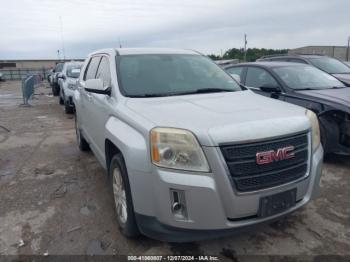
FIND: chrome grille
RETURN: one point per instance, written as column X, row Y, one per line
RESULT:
column 249, row 176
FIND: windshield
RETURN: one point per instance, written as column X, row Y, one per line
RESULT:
column 59, row 67
column 73, row 71
column 330, row 65
column 306, row 77
column 172, row 74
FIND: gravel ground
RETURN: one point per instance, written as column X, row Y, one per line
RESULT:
column 56, row 199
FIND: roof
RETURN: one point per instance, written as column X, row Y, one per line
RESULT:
column 141, row 51
column 269, row 64
column 137, row 51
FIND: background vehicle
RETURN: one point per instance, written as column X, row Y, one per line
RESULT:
column 49, row 76
column 2, row 77
column 306, row 86
column 327, row 64
column 67, row 81
column 54, row 80
column 347, row 63
column 190, row 155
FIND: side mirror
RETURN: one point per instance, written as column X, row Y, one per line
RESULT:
column 270, row 88
column 96, row 86
column 236, row 77
column 61, row 75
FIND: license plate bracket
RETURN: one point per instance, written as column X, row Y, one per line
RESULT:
column 277, row 203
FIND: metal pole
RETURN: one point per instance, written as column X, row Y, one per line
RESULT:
column 245, row 48
column 63, row 51
column 347, row 50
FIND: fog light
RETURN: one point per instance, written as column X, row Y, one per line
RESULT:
column 178, row 204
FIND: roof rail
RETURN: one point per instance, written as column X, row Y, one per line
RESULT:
column 308, row 54
column 274, row 55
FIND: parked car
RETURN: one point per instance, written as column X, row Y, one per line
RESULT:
column 347, row 63
column 327, row 64
column 2, row 78
column 67, row 81
column 49, row 76
column 189, row 153
column 306, row 86
column 54, row 79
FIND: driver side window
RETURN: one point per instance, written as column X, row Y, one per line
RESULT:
column 103, row 72
column 257, row 77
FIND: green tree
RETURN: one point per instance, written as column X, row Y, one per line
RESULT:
column 252, row 53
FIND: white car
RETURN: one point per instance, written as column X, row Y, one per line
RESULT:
column 67, row 82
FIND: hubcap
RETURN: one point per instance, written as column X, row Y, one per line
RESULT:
column 119, row 196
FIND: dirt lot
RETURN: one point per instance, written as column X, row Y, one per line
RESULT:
column 55, row 198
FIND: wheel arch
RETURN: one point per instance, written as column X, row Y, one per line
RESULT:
column 123, row 138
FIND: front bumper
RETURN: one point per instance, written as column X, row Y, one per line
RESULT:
column 214, row 209
column 69, row 93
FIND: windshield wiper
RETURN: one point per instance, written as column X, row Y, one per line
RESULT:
column 337, row 87
column 198, row 91
column 147, row 95
column 307, row 88
column 204, row 90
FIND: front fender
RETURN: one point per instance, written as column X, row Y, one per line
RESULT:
column 130, row 142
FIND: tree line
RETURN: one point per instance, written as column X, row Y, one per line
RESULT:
column 252, row 53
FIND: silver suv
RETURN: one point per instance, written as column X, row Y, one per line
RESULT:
column 189, row 153
column 67, row 80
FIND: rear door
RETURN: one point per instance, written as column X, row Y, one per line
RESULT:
column 90, row 73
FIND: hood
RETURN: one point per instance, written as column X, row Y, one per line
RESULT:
column 345, row 78
column 339, row 96
column 223, row 117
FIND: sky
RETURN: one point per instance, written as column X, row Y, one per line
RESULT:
column 31, row 29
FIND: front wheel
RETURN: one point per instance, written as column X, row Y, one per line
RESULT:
column 60, row 100
column 55, row 90
column 67, row 107
column 123, row 205
column 82, row 143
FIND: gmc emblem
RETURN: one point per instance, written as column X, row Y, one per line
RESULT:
column 272, row 156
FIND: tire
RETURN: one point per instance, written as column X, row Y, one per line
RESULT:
column 82, row 143
column 324, row 139
column 67, row 108
column 55, row 90
column 61, row 100
column 123, row 205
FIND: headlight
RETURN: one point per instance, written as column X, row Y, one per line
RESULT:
column 177, row 149
column 316, row 136
column 71, row 86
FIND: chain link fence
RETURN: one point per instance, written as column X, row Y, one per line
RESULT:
column 22, row 73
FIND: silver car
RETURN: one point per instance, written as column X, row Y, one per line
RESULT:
column 67, row 80
column 190, row 154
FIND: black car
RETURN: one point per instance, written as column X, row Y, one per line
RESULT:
column 306, row 86
column 327, row 64
column 54, row 79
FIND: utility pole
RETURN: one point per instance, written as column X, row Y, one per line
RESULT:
column 245, row 47
column 347, row 50
column 120, row 44
column 58, row 54
column 63, row 51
